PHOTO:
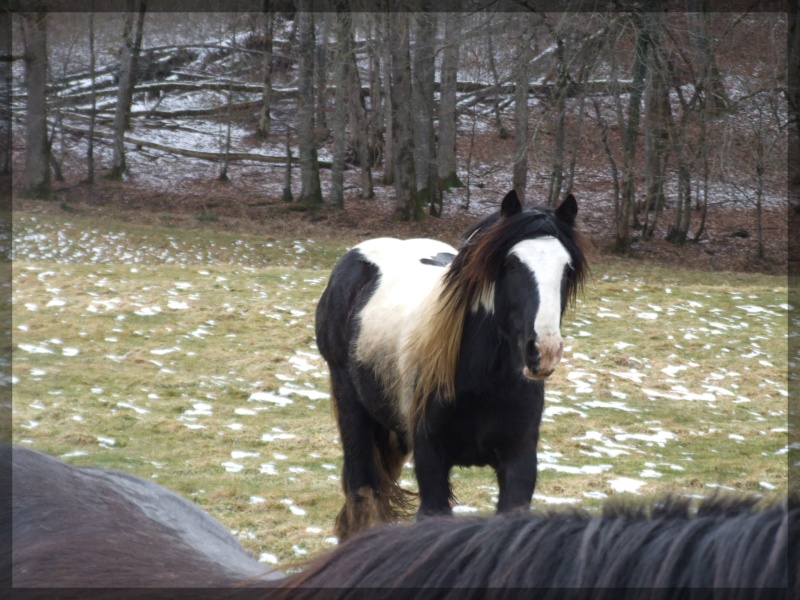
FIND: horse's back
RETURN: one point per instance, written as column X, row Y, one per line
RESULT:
column 88, row 527
column 376, row 284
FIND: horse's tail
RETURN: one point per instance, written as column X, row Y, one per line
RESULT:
column 394, row 502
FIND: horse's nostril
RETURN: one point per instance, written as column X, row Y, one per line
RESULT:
column 531, row 353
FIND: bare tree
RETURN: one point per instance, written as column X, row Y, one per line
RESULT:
column 339, row 125
column 490, row 50
column 717, row 96
column 629, row 140
column 761, row 141
column 359, row 124
column 563, row 48
column 423, row 112
column 5, row 94
column 388, row 144
column 793, row 98
column 657, row 113
column 93, row 92
column 134, row 23
column 268, row 21
column 609, row 153
column 287, row 196
column 321, row 70
column 406, row 205
column 135, row 54
column 37, row 147
column 446, row 151
column 522, row 76
column 57, row 124
column 308, row 142
column 755, row 134
column 226, row 148
column 375, row 115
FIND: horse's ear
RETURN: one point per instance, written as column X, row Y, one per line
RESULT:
column 567, row 210
column 510, row 205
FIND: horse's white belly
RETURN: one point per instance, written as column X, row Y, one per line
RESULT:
column 406, row 289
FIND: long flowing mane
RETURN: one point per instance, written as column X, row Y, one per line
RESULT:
column 434, row 351
column 727, row 542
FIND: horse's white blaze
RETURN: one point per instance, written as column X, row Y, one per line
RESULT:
column 406, row 289
column 546, row 258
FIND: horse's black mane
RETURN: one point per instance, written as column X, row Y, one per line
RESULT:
column 727, row 542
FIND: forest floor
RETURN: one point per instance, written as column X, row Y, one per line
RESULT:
column 728, row 242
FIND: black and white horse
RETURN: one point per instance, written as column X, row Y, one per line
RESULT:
column 444, row 353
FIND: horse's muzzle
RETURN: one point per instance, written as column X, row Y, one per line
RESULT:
column 549, row 350
column 536, row 376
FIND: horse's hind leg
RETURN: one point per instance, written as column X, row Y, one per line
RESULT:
column 395, row 503
column 360, row 477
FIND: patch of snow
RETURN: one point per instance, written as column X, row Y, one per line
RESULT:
column 269, row 397
column 625, row 484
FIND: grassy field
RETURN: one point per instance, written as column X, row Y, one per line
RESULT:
column 188, row 357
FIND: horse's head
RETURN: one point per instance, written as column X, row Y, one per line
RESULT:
column 520, row 265
column 537, row 277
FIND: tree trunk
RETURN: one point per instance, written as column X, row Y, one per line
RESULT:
column 657, row 114
column 5, row 96
column 521, row 137
column 341, row 62
column 406, row 205
column 704, row 207
column 560, row 92
column 627, row 199
column 604, row 136
column 358, row 117
column 264, row 117
column 37, row 148
column 793, row 98
column 223, row 173
column 375, row 115
column 446, row 157
column 388, row 138
column 321, row 71
column 759, row 196
column 136, row 51
column 310, row 190
column 576, row 143
column 92, row 115
column 422, row 105
column 125, row 85
column 287, row 196
column 683, row 206
column 501, row 130
column 711, row 77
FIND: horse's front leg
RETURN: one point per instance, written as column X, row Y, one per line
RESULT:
column 433, row 477
column 516, row 479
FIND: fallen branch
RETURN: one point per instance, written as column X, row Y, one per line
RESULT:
column 213, row 156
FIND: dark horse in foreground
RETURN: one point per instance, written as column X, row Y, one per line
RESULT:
column 79, row 527
column 728, row 543
column 444, row 353
column 86, row 527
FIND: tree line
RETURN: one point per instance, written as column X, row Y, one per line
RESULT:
column 393, row 94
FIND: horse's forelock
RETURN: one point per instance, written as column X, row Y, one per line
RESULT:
column 487, row 244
